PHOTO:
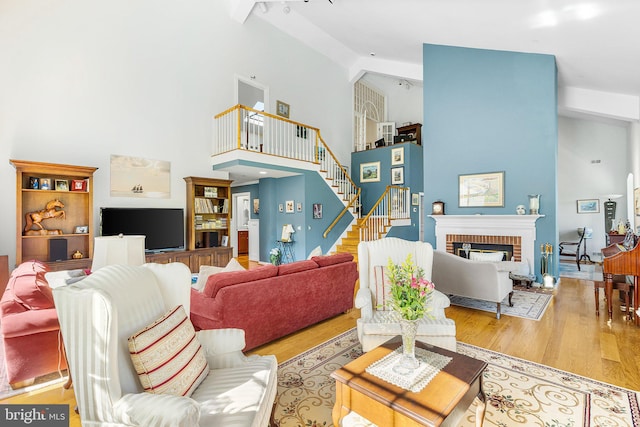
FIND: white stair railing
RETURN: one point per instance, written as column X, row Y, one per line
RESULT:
column 393, row 204
column 244, row 128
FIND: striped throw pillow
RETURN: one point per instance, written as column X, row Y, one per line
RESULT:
column 168, row 356
column 382, row 294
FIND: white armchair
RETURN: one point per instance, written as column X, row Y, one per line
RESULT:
column 99, row 313
column 487, row 281
column 374, row 327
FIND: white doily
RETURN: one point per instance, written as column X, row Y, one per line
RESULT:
column 430, row 364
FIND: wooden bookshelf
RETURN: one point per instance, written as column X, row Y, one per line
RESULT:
column 38, row 184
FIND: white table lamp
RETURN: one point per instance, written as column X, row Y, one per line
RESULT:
column 110, row 250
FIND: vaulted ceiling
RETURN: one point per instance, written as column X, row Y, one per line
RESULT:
column 595, row 42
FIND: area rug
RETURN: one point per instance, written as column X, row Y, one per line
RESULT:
column 587, row 271
column 518, row 392
column 526, row 304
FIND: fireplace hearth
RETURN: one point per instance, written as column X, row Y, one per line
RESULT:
column 517, row 231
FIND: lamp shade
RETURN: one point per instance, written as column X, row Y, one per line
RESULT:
column 125, row 250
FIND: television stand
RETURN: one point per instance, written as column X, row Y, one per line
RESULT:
column 217, row 256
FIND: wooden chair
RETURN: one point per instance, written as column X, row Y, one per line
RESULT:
column 620, row 284
column 573, row 248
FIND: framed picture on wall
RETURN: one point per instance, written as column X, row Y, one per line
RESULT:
column 397, row 176
column 289, row 206
column 588, row 206
column 282, row 109
column 481, row 190
column 370, row 172
column 317, row 211
column 397, row 156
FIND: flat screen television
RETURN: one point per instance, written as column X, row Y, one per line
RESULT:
column 163, row 227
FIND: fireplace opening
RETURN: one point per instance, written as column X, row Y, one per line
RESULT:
column 462, row 250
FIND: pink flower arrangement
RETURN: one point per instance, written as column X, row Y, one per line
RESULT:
column 410, row 291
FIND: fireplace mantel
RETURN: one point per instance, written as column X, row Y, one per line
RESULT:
column 489, row 221
column 523, row 226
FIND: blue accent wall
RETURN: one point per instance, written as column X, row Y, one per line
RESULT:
column 306, row 189
column 371, row 191
column 487, row 111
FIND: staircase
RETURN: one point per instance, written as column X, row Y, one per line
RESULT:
column 243, row 128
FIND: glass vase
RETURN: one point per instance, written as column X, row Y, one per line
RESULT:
column 408, row 362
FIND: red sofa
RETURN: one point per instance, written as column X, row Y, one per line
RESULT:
column 29, row 325
column 270, row 302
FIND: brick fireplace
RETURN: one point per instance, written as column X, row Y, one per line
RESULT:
column 518, row 231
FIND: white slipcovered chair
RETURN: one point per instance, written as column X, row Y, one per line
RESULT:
column 374, row 327
column 483, row 280
column 99, row 313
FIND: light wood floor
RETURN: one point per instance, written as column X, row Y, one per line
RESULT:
column 569, row 337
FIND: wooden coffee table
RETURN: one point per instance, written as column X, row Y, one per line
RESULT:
column 443, row 401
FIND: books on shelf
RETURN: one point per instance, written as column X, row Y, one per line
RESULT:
column 204, row 206
column 211, row 192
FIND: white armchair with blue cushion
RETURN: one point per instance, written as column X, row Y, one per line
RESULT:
column 100, row 313
column 374, row 326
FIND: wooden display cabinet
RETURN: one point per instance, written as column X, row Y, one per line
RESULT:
column 208, row 212
column 73, row 187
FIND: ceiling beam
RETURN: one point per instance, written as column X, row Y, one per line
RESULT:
column 241, row 9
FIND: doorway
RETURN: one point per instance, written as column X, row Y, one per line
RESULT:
column 251, row 93
column 240, row 224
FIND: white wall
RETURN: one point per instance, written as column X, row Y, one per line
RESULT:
column 402, row 105
column 580, row 142
column 82, row 80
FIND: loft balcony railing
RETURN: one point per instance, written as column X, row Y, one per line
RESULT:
column 393, row 204
column 244, row 128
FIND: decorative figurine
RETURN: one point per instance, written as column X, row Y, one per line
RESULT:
column 77, row 255
column 50, row 211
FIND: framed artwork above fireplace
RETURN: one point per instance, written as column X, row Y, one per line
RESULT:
column 481, row 190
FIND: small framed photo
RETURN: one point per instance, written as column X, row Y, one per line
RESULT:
column 397, row 156
column 34, row 183
column 289, row 206
column 224, row 241
column 256, row 206
column 62, row 185
column 280, row 207
column 415, row 199
column 397, row 175
column 317, row 211
column 370, row 172
column 299, row 207
column 81, row 229
column 45, row 183
column 78, row 185
column 282, row 109
column 588, row 206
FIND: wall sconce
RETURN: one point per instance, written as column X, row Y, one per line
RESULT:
column 124, row 250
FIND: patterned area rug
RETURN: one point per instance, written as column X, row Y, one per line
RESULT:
column 518, row 392
column 527, row 304
column 587, row 271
